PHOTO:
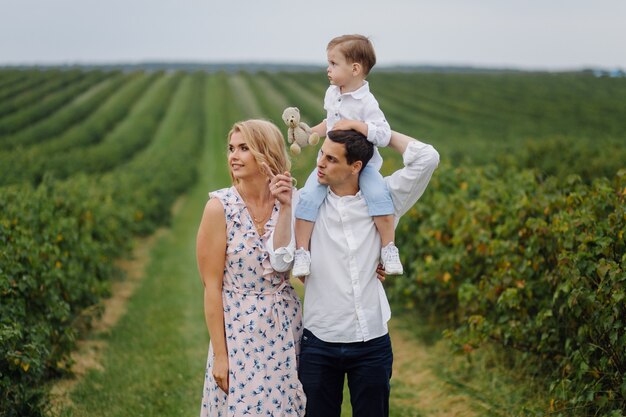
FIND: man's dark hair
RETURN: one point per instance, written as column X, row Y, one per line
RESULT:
column 358, row 148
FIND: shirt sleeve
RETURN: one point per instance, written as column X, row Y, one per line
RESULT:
column 327, row 100
column 378, row 129
column 281, row 258
column 409, row 183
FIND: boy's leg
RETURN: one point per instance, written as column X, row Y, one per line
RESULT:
column 369, row 373
column 321, row 375
column 375, row 192
column 385, row 227
column 379, row 203
column 311, row 197
column 302, row 259
column 303, row 231
column 380, row 207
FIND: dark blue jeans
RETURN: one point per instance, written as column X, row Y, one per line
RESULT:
column 324, row 365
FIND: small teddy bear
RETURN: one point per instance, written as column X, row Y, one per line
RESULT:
column 299, row 134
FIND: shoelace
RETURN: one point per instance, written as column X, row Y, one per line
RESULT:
column 393, row 254
column 301, row 259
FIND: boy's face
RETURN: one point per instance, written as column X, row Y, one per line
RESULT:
column 340, row 71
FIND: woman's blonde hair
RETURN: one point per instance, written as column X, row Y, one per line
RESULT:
column 266, row 143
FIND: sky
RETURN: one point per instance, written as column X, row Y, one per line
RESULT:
column 530, row 34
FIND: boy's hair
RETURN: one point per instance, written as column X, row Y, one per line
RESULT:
column 266, row 143
column 358, row 148
column 356, row 48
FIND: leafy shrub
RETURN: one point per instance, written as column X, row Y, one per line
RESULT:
column 537, row 267
column 561, row 156
column 58, row 242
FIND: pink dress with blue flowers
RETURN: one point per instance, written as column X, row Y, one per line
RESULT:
column 263, row 321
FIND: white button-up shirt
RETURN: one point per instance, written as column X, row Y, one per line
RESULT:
column 344, row 301
column 362, row 106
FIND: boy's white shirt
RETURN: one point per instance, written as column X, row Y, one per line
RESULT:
column 345, row 302
column 359, row 105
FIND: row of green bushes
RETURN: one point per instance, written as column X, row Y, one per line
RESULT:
column 509, row 106
column 561, row 156
column 58, row 245
column 18, row 120
column 8, row 79
column 69, row 115
column 536, row 266
column 33, row 95
column 59, row 240
column 125, row 125
column 15, row 82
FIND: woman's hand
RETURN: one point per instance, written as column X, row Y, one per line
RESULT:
column 280, row 185
column 220, row 372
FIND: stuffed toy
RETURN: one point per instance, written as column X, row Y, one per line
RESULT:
column 299, row 134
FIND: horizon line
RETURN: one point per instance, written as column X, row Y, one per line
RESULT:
column 277, row 64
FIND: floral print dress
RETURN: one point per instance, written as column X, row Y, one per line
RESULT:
column 263, row 321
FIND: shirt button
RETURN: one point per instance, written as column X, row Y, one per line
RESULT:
column 339, row 99
column 336, row 114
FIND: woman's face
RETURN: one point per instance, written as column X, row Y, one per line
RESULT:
column 240, row 160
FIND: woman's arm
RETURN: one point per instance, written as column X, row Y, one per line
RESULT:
column 211, row 257
column 281, row 189
column 282, row 237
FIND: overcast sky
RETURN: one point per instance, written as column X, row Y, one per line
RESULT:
column 529, row 34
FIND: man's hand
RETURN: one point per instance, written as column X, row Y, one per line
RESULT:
column 380, row 273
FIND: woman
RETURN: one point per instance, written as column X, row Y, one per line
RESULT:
column 253, row 314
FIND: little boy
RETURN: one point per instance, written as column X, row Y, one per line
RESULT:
column 350, row 105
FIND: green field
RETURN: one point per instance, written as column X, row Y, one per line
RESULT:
column 516, row 252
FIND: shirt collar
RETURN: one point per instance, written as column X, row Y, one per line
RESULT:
column 331, row 194
column 357, row 94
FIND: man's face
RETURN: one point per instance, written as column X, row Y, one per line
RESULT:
column 332, row 167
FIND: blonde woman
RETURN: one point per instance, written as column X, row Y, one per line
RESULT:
column 253, row 315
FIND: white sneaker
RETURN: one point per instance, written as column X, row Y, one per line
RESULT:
column 391, row 260
column 301, row 263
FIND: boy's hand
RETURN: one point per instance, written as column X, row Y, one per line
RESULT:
column 343, row 124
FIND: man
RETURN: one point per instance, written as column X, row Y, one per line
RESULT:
column 345, row 307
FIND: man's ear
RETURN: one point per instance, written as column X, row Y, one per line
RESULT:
column 356, row 167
